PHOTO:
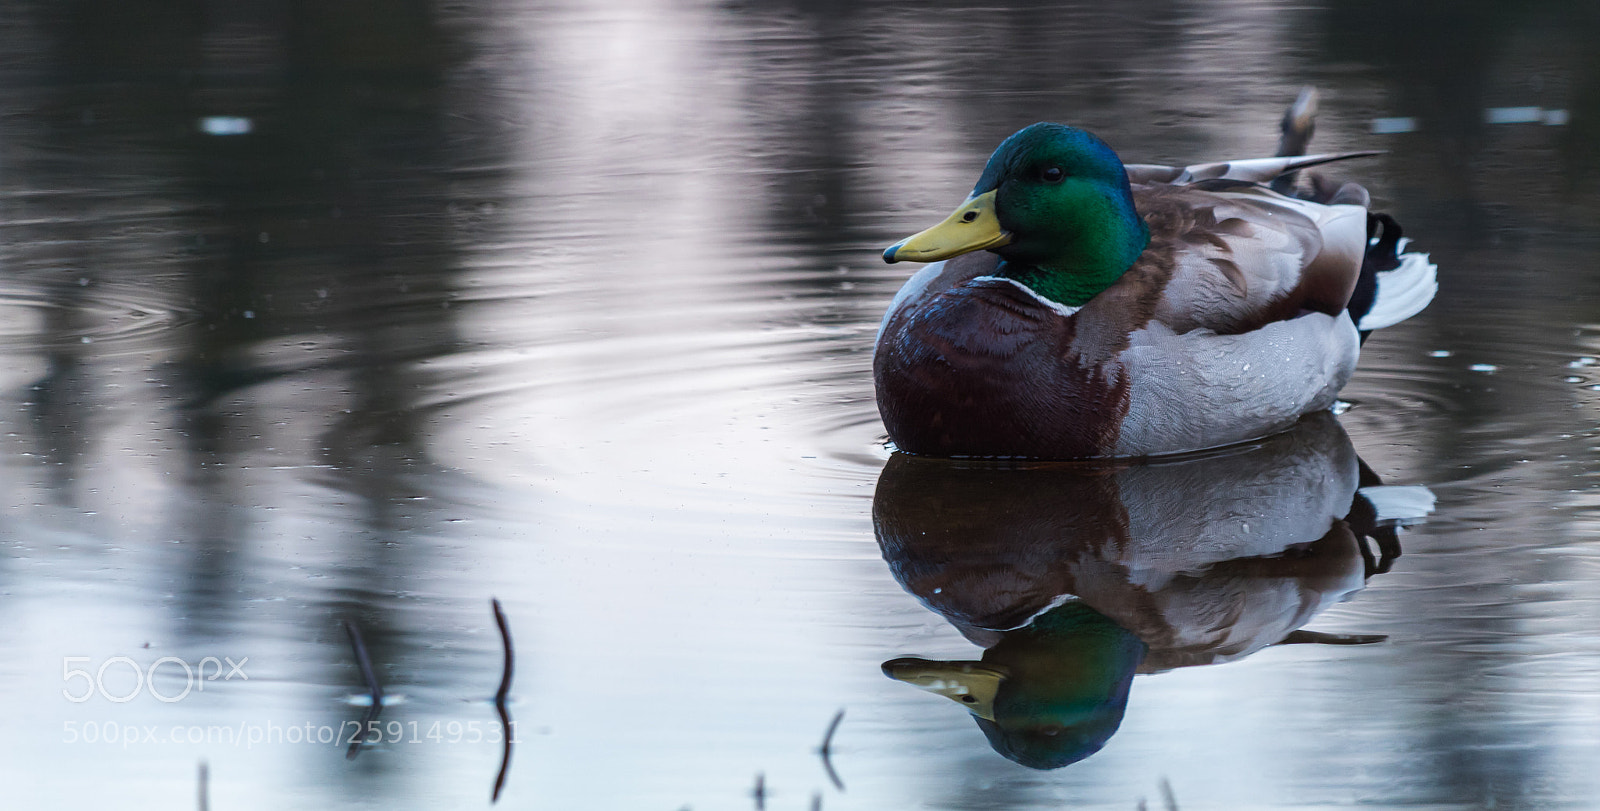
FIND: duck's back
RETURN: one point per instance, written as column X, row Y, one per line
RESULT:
column 1234, row 257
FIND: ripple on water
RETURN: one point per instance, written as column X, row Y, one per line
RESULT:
column 1390, row 401
column 850, row 441
column 1406, row 388
column 730, row 400
column 117, row 318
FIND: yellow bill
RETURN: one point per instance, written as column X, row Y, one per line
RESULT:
column 973, row 227
column 971, row 684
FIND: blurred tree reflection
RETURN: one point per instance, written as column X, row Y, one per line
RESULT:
column 283, row 173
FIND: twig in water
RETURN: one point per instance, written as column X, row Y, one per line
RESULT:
column 833, row 726
column 205, row 778
column 505, row 639
column 365, row 663
column 373, row 688
column 760, row 791
column 500, row 699
column 826, row 750
column 816, row 801
column 505, row 753
column 1167, row 795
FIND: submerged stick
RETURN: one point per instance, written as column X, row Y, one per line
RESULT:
column 373, row 688
column 205, row 778
column 505, row 753
column 1167, row 795
column 500, row 699
column 826, row 750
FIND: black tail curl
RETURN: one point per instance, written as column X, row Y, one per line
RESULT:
column 1383, row 253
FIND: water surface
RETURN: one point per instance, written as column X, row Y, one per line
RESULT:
column 376, row 311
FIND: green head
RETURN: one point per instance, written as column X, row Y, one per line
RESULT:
column 1054, row 203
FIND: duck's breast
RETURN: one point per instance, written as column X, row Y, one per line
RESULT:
column 986, row 368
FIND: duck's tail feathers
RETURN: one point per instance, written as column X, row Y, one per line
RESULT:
column 1294, row 135
column 1402, row 292
column 1261, row 170
column 1298, row 124
column 1252, row 170
column 1394, row 285
column 1295, row 131
column 1399, row 504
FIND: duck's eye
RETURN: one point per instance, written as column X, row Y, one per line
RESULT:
column 1052, row 174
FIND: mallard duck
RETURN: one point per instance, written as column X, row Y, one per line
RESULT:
column 1077, row 307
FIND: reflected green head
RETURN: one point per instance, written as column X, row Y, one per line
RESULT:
column 1070, row 673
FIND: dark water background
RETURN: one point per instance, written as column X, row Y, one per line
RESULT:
column 572, row 304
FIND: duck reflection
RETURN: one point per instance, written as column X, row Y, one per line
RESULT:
column 1074, row 578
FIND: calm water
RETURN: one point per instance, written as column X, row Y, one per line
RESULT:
column 374, row 311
